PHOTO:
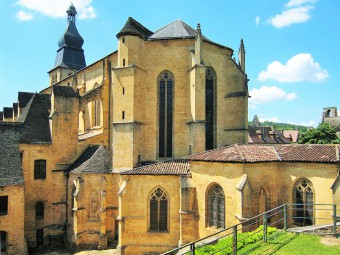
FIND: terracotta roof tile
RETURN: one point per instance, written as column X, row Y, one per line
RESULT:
column 313, row 153
column 308, row 153
column 173, row 167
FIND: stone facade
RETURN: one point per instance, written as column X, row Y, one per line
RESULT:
column 12, row 221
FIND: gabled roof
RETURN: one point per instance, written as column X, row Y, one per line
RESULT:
column 24, row 98
column 96, row 159
column 133, row 27
column 172, row 167
column 309, row 153
column 176, row 29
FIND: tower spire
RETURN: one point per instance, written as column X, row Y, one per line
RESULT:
column 71, row 13
column 242, row 56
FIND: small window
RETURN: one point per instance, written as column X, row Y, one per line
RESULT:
column 123, row 61
column 39, row 210
column 40, row 169
column 123, row 91
column 159, row 211
column 3, row 205
column 123, row 40
column 123, row 115
column 3, row 242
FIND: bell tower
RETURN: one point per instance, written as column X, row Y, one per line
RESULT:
column 70, row 55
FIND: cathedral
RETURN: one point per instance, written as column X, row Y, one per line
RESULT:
column 145, row 149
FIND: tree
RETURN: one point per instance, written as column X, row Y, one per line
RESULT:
column 323, row 134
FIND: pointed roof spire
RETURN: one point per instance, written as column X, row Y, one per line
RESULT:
column 242, row 46
column 71, row 53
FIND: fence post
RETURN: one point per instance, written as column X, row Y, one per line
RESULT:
column 265, row 227
column 235, row 240
column 334, row 219
column 192, row 249
column 285, row 217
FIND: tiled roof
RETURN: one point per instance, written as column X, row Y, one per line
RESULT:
column 309, row 153
column 261, row 135
column 291, row 134
column 133, row 27
column 96, row 159
column 172, row 167
column 313, row 153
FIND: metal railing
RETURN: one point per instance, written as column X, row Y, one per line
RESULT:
column 284, row 216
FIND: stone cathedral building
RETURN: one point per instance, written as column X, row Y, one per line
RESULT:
column 101, row 155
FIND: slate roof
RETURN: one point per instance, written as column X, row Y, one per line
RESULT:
column 311, row 153
column 10, row 160
column 64, row 91
column 8, row 112
column 176, row 29
column 133, row 27
column 1, row 116
column 96, row 159
column 24, row 98
column 172, row 167
column 31, row 128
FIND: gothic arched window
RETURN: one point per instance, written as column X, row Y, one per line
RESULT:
column 216, row 207
column 159, row 204
column 209, row 108
column 166, row 84
column 303, row 193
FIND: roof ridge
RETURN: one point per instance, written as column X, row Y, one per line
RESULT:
column 277, row 154
column 239, row 151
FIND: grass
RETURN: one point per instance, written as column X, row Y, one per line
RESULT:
column 279, row 243
column 306, row 245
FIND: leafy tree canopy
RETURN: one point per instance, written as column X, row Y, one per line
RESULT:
column 323, row 134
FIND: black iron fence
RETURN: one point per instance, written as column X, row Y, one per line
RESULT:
column 233, row 240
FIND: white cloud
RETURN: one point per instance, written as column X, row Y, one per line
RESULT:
column 310, row 123
column 57, row 9
column 257, row 20
column 293, row 3
column 24, row 16
column 297, row 11
column 301, row 67
column 268, row 94
column 271, row 119
column 291, row 16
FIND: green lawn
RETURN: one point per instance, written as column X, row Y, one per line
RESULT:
column 279, row 243
column 304, row 244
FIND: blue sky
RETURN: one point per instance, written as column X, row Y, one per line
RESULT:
column 292, row 46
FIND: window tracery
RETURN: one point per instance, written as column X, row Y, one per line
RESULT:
column 159, row 211
column 216, row 207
